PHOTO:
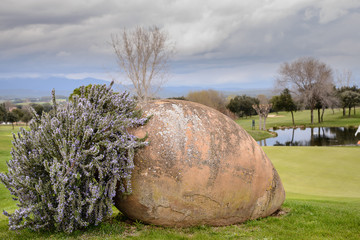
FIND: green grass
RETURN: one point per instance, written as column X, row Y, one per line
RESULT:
column 260, row 135
column 302, row 118
column 6, row 202
column 323, row 202
column 318, row 171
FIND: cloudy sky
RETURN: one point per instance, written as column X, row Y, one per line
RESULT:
column 227, row 43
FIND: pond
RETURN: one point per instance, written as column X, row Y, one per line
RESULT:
column 319, row 136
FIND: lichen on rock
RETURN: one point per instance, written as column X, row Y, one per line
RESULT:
column 199, row 168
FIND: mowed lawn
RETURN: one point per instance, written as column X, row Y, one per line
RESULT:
column 323, row 202
column 318, row 172
column 6, row 203
column 332, row 118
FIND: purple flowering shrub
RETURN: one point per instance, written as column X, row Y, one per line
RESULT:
column 65, row 170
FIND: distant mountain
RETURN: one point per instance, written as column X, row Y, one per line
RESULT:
column 179, row 91
column 39, row 87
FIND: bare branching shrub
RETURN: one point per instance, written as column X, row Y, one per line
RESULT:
column 263, row 111
column 210, row 98
column 344, row 78
column 143, row 55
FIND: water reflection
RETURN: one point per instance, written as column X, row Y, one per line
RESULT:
column 320, row 136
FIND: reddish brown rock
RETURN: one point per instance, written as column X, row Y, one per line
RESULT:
column 199, row 168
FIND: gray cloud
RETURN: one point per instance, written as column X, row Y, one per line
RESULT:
column 218, row 42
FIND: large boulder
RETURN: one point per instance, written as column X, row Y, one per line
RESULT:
column 199, row 168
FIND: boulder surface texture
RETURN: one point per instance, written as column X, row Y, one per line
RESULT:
column 199, row 168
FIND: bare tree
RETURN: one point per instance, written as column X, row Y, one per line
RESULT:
column 344, row 78
column 143, row 55
column 309, row 79
column 263, row 112
column 262, row 109
column 262, row 99
column 326, row 99
column 209, row 98
column 347, row 94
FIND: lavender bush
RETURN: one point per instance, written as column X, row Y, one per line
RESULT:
column 65, row 170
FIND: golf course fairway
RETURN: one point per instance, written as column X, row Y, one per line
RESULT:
column 318, row 172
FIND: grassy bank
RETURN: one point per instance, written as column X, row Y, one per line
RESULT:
column 323, row 202
column 302, row 118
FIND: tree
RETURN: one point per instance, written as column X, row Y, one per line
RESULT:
column 12, row 117
column 8, row 105
column 177, row 98
column 77, row 91
column 349, row 98
column 242, row 105
column 19, row 112
column 310, row 79
column 284, row 102
column 143, row 55
column 26, row 117
column 263, row 112
column 3, row 113
column 277, row 105
column 47, row 107
column 262, row 109
column 325, row 100
column 38, row 108
column 344, row 78
column 210, row 98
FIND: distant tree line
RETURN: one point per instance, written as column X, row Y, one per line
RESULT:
column 39, row 100
column 210, row 98
column 10, row 113
column 242, row 106
column 305, row 83
column 313, row 85
column 349, row 98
